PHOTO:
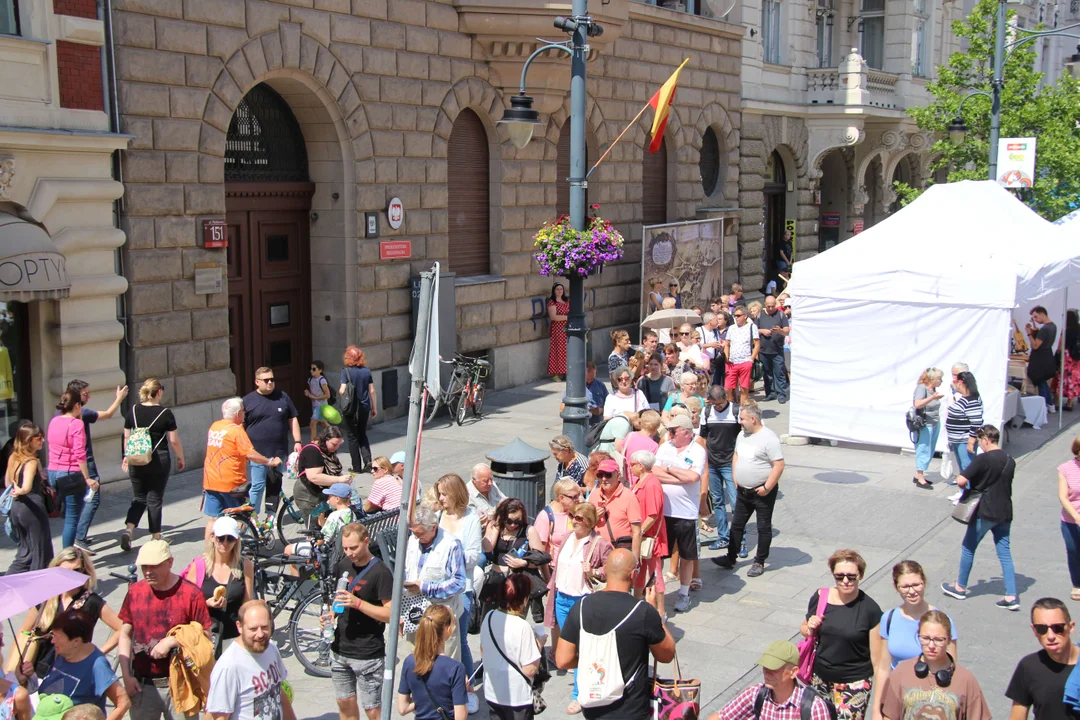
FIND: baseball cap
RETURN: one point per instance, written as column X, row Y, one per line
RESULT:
column 340, row 490
column 398, row 457
column 226, row 527
column 608, row 465
column 154, row 552
column 53, row 706
column 778, row 654
column 680, row 421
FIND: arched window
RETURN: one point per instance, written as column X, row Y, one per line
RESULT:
column 712, row 164
column 264, row 142
column 468, row 197
column 654, row 186
column 562, row 172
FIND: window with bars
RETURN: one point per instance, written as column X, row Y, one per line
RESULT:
column 9, row 17
column 920, row 42
column 770, row 30
column 264, row 142
column 872, row 33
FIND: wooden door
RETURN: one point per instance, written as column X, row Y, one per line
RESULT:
column 269, row 291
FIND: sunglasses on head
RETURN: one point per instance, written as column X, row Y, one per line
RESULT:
column 848, row 577
column 1041, row 629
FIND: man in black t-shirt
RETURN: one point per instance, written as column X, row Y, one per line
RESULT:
column 720, row 427
column 1041, row 366
column 1039, row 679
column 639, row 631
column 359, row 648
column 270, row 418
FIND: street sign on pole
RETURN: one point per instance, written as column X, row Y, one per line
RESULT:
column 1016, row 162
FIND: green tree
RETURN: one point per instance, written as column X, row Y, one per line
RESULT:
column 1050, row 114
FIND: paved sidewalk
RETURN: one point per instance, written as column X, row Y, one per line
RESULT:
column 831, row 497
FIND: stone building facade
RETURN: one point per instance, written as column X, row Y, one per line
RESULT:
column 385, row 99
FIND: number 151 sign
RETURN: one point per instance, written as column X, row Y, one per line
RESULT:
column 215, row 234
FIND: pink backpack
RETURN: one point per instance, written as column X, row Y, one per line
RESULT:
column 808, row 646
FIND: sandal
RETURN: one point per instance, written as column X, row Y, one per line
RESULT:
column 1075, row 594
column 670, row 577
column 695, row 584
column 573, row 708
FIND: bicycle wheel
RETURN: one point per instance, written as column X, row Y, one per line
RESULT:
column 434, row 405
column 305, row 635
column 452, row 394
column 463, row 404
column 290, row 521
column 478, row 399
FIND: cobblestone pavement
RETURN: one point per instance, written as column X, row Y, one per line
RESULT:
column 831, row 497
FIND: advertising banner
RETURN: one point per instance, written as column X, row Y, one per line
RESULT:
column 689, row 253
column 1016, row 162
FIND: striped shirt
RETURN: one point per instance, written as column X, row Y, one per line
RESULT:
column 576, row 469
column 964, row 419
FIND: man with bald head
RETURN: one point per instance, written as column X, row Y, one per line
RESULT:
column 639, row 632
column 484, row 494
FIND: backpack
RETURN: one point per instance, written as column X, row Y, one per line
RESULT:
column 138, row 449
column 600, row 681
column 595, row 435
column 350, row 406
column 806, row 705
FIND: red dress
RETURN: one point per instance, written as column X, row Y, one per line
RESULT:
column 557, row 349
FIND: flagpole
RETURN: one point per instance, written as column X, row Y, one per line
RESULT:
column 423, row 327
column 613, row 144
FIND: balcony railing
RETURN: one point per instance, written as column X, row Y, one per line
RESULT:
column 852, row 83
column 690, row 7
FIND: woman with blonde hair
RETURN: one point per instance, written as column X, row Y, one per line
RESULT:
column 458, row 519
column 656, row 295
column 754, row 309
column 644, row 438
column 927, row 402
column 33, row 638
column 386, row 490
column 226, row 578
column 620, row 353
column 28, row 513
column 432, row 684
column 364, row 408
column 548, row 533
column 148, row 481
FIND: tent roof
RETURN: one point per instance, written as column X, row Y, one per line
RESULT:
column 969, row 243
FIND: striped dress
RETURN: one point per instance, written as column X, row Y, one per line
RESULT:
column 965, row 417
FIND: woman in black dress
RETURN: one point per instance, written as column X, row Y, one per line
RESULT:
column 28, row 514
column 148, row 481
column 222, row 566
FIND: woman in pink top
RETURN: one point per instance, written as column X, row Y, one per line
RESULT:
column 641, row 439
column 386, row 492
column 68, row 473
column 550, row 528
column 1069, row 496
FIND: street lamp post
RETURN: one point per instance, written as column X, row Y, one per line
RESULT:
column 957, row 129
column 520, row 120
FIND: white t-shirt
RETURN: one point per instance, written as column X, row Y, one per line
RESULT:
column 742, row 342
column 503, row 685
column 706, row 336
column 616, row 403
column 682, row 501
column 246, row 686
column 755, row 455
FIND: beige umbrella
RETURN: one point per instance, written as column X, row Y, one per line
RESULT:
column 670, row 319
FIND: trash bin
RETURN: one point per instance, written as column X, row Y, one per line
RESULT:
column 519, row 471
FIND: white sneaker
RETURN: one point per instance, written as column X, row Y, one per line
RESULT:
column 955, row 498
column 472, row 703
column 1051, row 409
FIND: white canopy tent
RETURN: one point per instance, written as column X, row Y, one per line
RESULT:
column 934, row 284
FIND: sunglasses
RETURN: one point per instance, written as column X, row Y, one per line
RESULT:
column 682, row 333
column 604, row 475
column 514, row 523
column 739, row 315
column 577, row 518
column 845, row 577
column 313, row 368
column 225, row 539
column 1041, row 629
column 265, row 380
column 573, row 497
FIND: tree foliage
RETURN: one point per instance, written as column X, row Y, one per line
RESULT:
column 1049, row 113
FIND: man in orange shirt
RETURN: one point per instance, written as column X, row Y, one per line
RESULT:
column 617, row 508
column 228, row 450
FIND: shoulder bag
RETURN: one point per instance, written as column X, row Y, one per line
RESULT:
column 438, row 708
column 968, row 506
column 590, row 580
column 348, row 398
column 808, row 646
column 676, row 698
column 535, row 683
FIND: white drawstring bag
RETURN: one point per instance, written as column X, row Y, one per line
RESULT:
column 948, row 465
column 600, row 679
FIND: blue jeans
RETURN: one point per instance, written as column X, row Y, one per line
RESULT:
column 1046, row 394
column 963, row 457
column 86, row 517
column 468, row 600
column 775, row 374
column 924, row 448
column 73, row 503
column 975, row 532
column 563, row 604
column 1071, row 533
column 721, row 490
column 257, row 473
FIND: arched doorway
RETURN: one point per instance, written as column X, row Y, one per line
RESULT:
column 775, row 213
column 267, row 202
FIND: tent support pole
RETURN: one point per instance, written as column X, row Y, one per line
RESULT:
column 1061, row 376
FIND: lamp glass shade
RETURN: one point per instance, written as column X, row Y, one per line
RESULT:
column 520, row 133
column 957, row 131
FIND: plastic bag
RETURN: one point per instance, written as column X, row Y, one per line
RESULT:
column 948, row 465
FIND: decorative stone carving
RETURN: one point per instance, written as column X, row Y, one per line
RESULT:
column 7, row 176
column 827, row 136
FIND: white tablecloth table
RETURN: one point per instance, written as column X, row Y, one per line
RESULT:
column 1012, row 406
column 1033, row 408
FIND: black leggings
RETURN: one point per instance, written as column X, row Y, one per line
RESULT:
column 35, row 537
column 359, row 447
column 147, row 494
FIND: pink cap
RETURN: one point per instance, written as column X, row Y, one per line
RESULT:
column 608, row 466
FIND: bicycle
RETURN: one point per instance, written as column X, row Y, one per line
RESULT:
column 467, row 372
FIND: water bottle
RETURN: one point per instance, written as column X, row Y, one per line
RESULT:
column 328, row 627
column 89, row 496
column 523, row 549
column 342, row 584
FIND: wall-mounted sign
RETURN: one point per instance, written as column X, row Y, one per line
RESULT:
column 214, row 234
column 395, row 249
column 371, row 224
column 1016, row 162
column 830, row 219
column 209, row 278
column 858, row 226
column 395, row 213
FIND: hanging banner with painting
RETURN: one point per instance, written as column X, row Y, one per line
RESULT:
column 690, row 254
column 1016, row 162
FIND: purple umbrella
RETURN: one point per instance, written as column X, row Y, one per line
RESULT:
column 21, row 592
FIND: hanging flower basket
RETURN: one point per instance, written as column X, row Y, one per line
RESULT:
column 562, row 250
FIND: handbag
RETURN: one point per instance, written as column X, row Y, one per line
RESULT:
column 678, row 698
column 648, row 544
column 591, row 581
column 536, row 683
column 757, row 371
column 412, row 609
column 808, row 645
column 968, row 506
column 948, row 465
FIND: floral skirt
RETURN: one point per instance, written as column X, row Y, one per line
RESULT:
column 851, row 700
column 1072, row 379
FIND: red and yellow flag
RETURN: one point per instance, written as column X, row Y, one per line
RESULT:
column 661, row 102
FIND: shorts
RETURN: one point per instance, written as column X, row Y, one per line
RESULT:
column 683, row 534
column 350, row 675
column 737, row 376
column 216, row 503
column 315, row 405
